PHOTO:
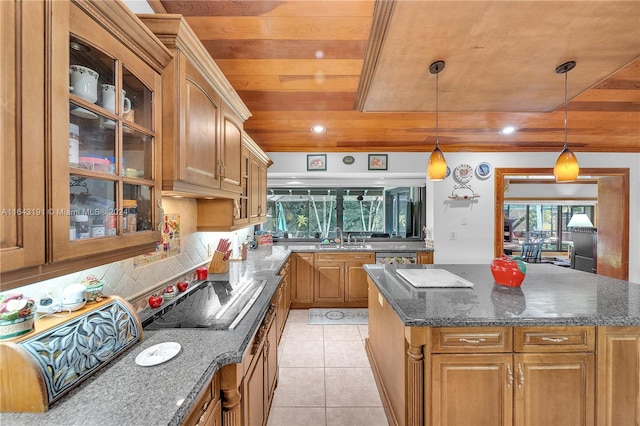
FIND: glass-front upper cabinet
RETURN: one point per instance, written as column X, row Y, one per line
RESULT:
column 111, row 118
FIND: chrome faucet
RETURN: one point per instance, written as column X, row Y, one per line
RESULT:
column 349, row 238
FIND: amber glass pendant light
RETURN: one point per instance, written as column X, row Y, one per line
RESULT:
column 566, row 169
column 437, row 167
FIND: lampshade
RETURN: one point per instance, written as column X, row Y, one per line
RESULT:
column 580, row 220
column 437, row 167
column 567, row 168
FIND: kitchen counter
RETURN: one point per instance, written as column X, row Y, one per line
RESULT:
column 123, row 393
column 503, row 351
column 375, row 246
column 549, row 296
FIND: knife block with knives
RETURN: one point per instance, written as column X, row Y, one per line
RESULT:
column 220, row 260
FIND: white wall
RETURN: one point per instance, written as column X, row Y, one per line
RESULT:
column 474, row 241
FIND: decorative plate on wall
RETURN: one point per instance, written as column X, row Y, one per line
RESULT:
column 448, row 172
column 483, row 170
column 347, row 159
column 463, row 173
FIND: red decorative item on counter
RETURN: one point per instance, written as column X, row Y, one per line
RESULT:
column 182, row 285
column 508, row 271
column 202, row 273
column 155, row 301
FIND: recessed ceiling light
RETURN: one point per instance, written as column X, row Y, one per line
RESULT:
column 318, row 129
column 508, row 130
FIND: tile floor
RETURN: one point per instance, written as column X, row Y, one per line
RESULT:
column 325, row 378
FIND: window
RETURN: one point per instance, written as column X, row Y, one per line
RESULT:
column 551, row 219
column 363, row 212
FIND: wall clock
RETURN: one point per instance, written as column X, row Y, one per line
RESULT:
column 463, row 173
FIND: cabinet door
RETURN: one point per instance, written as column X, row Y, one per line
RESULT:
column 356, row 285
column 199, row 161
column 107, row 98
column 23, row 216
column 271, row 358
column 230, row 152
column 254, row 395
column 329, row 281
column 302, row 278
column 554, row 389
column 618, row 372
column 425, row 257
column 257, row 190
column 472, row 389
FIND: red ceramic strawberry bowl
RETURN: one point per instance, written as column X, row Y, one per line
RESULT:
column 508, row 270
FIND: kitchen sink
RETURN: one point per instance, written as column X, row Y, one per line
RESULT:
column 345, row 247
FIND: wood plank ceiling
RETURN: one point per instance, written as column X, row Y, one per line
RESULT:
column 360, row 68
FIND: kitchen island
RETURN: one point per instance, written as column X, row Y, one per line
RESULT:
column 562, row 349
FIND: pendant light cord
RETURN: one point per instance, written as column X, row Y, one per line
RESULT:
column 565, row 109
column 437, row 90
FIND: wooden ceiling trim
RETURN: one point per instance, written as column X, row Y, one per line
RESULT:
column 295, row 49
column 270, row 8
column 334, row 83
column 281, row 28
column 310, row 101
column 233, row 67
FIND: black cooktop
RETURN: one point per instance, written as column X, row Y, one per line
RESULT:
column 218, row 305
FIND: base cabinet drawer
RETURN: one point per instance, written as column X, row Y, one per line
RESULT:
column 472, row 339
column 554, row 339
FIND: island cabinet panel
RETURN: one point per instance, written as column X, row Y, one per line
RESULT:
column 555, row 339
column 554, row 389
column 386, row 348
column 302, row 278
column 472, row 389
column 618, row 394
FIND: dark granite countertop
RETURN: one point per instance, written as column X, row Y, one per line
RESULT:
column 123, row 393
column 549, row 296
column 368, row 246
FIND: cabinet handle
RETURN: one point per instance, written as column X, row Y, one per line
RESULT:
column 555, row 339
column 472, row 341
column 521, row 378
column 510, row 382
column 200, row 420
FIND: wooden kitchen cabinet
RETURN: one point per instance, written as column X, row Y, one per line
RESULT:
column 283, row 299
column 257, row 189
column 260, row 372
column 228, row 214
column 495, row 384
column 618, row 392
column 207, row 409
column 302, row 279
column 356, row 285
column 425, row 257
column 22, row 242
column 340, row 279
column 104, row 141
column 202, row 117
column 329, row 279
